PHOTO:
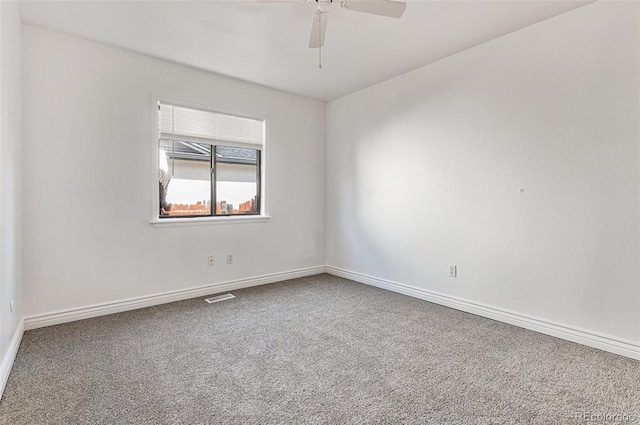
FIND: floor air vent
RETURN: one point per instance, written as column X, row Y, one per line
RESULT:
column 219, row 298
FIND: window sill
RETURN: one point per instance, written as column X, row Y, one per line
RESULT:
column 205, row 221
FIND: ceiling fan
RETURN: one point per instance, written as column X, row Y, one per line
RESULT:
column 393, row 9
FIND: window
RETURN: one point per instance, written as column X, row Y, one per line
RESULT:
column 209, row 163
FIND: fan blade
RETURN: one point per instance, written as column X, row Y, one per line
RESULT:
column 276, row 1
column 318, row 29
column 392, row 9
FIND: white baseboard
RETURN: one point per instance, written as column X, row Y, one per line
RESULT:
column 581, row 336
column 64, row 316
column 10, row 355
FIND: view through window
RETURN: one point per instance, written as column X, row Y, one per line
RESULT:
column 208, row 158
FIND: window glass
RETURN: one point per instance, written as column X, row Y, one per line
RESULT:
column 184, row 178
column 237, row 180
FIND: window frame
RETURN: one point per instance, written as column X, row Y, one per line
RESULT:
column 156, row 221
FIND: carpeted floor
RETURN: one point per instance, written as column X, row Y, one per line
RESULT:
column 316, row 350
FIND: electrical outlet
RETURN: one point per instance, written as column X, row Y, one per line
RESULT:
column 453, row 270
column 212, row 260
column 229, row 258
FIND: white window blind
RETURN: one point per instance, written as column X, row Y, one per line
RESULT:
column 193, row 125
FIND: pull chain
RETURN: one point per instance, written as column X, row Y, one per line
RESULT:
column 320, row 38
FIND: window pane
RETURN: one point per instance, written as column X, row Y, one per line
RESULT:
column 185, row 178
column 237, row 183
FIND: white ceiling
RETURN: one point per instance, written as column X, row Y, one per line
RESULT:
column 267, row 42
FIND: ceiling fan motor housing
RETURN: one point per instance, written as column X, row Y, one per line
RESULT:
column 324, row 5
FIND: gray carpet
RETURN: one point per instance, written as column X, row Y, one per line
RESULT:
column 316, row 350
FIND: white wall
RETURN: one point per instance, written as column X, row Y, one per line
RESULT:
column 10, row 181
column 424, row 171
column 87, row 178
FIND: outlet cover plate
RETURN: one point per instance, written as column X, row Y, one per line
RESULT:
column 453, row 270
